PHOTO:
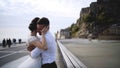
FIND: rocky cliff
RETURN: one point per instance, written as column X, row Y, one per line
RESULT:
column 96, row 18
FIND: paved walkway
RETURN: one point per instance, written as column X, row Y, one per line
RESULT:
column 15, row 63
column 95, row 54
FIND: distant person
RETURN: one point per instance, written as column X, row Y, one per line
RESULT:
column 41, row 45
column 4, row 43
column 9, row 43
column 19, row 41
column 14, row 41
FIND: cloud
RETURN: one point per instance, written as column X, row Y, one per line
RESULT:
column 18, row 7
column 50, row 8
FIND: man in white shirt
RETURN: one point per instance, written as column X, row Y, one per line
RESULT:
column 49, row 55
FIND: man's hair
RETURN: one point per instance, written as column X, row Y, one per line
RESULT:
column 33, row 24
column 43, row 21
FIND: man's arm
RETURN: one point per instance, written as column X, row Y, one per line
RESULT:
column 40, row 45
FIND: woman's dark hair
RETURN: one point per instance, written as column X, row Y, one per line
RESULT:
column 33, row 24
column 43, row 21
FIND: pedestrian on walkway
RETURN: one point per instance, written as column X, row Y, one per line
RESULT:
column 9, row 43
column 4, row 43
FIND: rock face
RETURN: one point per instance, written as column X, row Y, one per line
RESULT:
column 96, row 19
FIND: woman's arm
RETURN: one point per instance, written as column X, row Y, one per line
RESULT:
column 40, row 44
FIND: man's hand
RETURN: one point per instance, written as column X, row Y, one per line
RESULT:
column 30, row 47
column 44, row 30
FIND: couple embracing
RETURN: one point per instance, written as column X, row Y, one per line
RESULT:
column 42, row 49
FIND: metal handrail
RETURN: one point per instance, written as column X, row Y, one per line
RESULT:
column 71, row 60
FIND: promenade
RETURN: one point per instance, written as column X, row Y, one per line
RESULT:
column 91, row 54
column 95, row 53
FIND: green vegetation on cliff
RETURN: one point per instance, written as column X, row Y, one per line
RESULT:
column 96, row 18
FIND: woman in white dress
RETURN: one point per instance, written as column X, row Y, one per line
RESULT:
column 35, row 62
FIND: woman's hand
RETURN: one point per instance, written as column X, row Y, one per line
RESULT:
column 30, row 47
column 44, row 30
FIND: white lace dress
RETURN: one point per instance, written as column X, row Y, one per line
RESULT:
column 31, row 62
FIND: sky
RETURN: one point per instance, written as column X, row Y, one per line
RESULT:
column 15, row 15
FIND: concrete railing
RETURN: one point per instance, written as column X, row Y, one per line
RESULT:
column 70, row 60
